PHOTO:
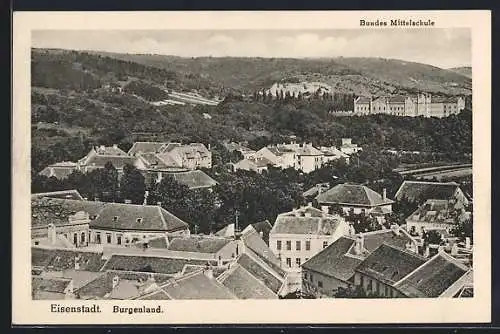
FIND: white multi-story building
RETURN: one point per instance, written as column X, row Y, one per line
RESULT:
column 298, row 235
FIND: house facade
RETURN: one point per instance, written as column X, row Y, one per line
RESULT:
column 354, row 199
column 298, row 235
column 422, row 104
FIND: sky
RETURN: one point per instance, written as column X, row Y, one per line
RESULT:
column 443, row 48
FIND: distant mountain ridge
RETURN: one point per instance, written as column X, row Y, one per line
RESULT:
column 463, row 70
column 362, row 76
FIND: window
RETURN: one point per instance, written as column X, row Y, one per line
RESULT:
column 325, row 244
column 75, row 238
column 320, row 284
column 306, row 259
column 119, row 240
column 377, row 286
column 108, row 238
column 297, row 245
column 386, row 290
column 311, row 277
column 289, row 245
column 305, row 276
column 308, row 245
column 82, row 237
column 98, row 238
column 278, row 244
column 361, row 280
column 288, row 262
column 297, row 261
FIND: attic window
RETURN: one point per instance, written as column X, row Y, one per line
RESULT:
column 115, row 218
column 139, row 220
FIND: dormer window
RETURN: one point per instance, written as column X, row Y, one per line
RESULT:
column 115, row 218
column 139, row 220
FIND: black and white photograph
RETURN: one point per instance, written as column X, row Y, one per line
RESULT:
column 252, row 164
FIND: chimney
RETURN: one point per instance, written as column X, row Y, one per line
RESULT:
column 395, row 229
column 116, row 280
column 158, row 203
column 77, row 262
column 52, row 234
column 219, row 261
column 427, row 252
column 307, row 214
column 208, row 272
column 467, row 243
column 359, row 245
column 261, row 234
column 384, row 194
column 324, row 208
column 115, row 146
column 309, row 204
column 208, row 146
column 454, row 250
column 352, row 231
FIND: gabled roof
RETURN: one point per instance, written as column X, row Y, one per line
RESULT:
column 52, row 284
column 66, row 194
column 99, row 161
column 264, row 227
column 306, row 220
column 194, row 179
column 152, row 161
column 335, row 260
column 145, row 147
column 257, row 245
column 198, row 244
column 433, row 277
column 129, row 285
column 246, row 286
column 261, row 271
column 396, row 99
column 227, row 231
column 399, row 239
column 80, row 278
column 363, row 99
column 333, row 151
column 314, row 191
column 153, row 264
column 59, row 172
column 389, row 264
column 352, row 194
column 197, row 286
column 109, row 150
column 64, row 259
column 119, row 216
column 434, row 211
column 45, row 211
column 422, row 190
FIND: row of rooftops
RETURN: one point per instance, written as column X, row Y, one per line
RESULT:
column 254, row 273
column 411, row 274
column 401, row 99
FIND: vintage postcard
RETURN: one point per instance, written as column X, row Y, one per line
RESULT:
column 251, row 167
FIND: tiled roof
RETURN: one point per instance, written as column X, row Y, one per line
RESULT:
column 257, row 245
column 333, row 151
column 273, row 283
column 109, row 150
column 65, row 194
column 372, row 240
column 80, row 277
column 198, row 244
column 422, row 190
column 389, row 264
column 353, row 194
column 434, row 211
column 99, row 161
column 93, row 208
column 118, row 216
column 261, row 161
column 245, row 286
column 334, row 260
column 314, row 191
column 194, row 179
column 157, row 295
column 59, row 259
column 363, row 99
column 152, row 161
column 264, row 227
column 396, row 99
column 57, row 171
column 45, row 211
column 52, row 284
column 153, row 264
column 432, row 278
column 145, row 147
column 298, row 222
column 197, row 286
column 129, row 286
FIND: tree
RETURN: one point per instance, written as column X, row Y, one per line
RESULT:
column 351, row 292
column 432, row 237
column 132, row 184
column 463, row 228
